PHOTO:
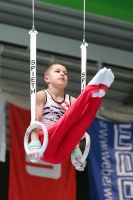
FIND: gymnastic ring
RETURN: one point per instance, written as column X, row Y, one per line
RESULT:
column 33, row 125
column 85, row 154
column 78, row 165
column 87, row 148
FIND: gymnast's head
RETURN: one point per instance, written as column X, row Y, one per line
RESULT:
column 56, row 75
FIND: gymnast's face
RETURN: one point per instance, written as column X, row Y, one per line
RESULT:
column 57, row 76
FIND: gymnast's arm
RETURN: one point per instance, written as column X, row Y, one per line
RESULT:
column 40, row 102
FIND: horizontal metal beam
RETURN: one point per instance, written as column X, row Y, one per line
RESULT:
column 68, row 23
column 66, row 46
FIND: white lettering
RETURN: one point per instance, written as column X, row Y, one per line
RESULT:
column 122, row 137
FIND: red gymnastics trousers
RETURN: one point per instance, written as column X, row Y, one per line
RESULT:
column 66, row 133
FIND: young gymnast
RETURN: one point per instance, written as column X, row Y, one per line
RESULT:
column 65, row 117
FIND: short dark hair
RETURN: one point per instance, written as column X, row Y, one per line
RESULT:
column 46, row 72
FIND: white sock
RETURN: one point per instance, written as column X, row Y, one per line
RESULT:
column 101, row 93
column 97, row 79
column 107, row 80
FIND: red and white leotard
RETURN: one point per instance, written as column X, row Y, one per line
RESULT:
column 54, row 110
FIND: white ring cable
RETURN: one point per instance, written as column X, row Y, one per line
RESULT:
column 83, row 85
column 83, row 47
column 34, row 124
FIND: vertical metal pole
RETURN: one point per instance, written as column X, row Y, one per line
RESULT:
column 83, row 57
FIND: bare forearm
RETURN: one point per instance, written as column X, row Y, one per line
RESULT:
column 35, row 134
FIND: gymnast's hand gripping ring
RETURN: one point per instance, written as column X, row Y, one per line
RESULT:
column 32, row 126
column 77, row 165
column 87, row 148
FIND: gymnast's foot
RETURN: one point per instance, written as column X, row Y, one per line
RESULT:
column 97, row 79
column 105, row 82
column 109, row 78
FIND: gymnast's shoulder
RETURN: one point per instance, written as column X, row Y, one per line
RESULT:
column 41, row 96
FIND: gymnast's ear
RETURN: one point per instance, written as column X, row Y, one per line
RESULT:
column 46, row 79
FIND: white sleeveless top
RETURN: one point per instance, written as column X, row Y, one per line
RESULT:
column 53, row 110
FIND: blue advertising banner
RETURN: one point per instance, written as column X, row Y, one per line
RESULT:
column 110, row 161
